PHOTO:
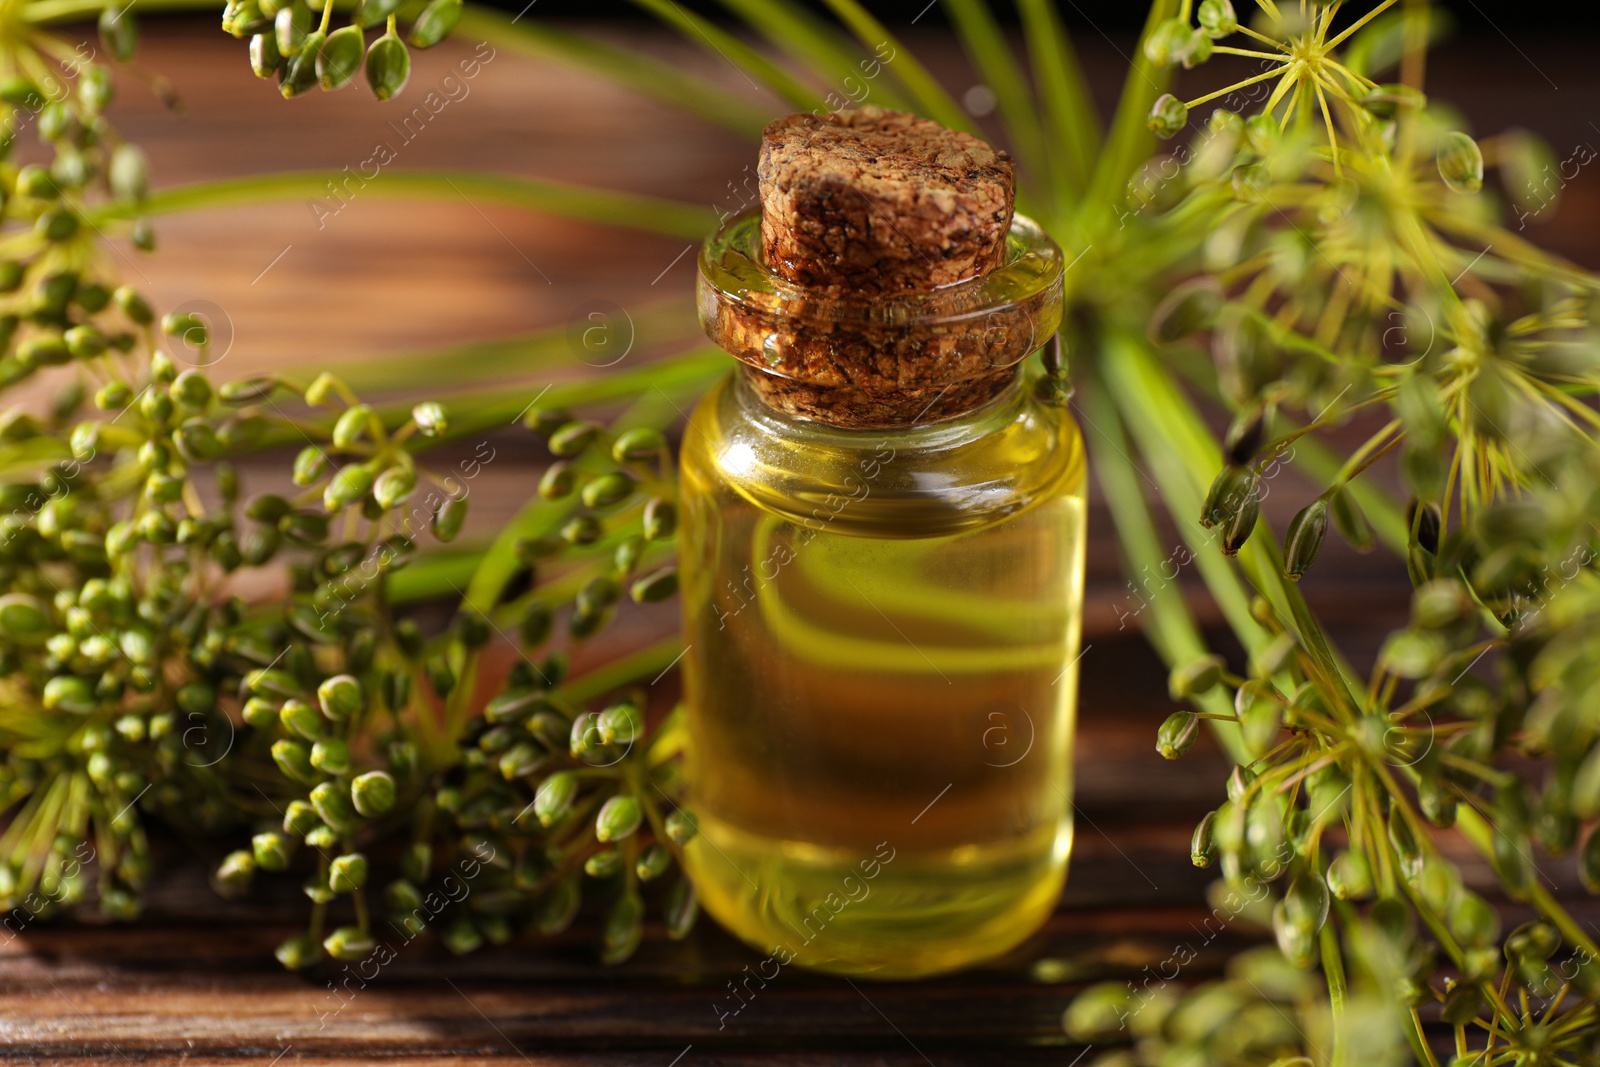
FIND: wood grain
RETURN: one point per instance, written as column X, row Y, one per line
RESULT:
column 194, row 981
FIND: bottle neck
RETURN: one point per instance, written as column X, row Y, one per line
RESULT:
column 864, row 361
column 853, row 407
column 970, row 411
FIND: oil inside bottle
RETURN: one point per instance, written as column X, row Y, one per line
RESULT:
column 882, row 632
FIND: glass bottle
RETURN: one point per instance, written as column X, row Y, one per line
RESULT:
column 881, row 623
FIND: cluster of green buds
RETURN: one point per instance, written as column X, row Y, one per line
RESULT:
column 1333, row 825
column 115, row 643
column 360, row 711
column 570, row 801
column 341, row 795
column 612, row 492
column 1264, row 1010
column 296, row 42
column 566, row 798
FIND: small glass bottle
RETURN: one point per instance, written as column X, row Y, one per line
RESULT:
column 881, row 620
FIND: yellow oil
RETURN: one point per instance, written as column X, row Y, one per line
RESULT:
column 882, row 636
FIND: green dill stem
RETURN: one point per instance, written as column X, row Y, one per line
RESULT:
column 1225, row 90
column 1419, row 1044
column 359, row 899
column 1357, row 24
column 649, row 661
column 1170, row 627
column 625, row 210
column 319, row 909
column 73, row 10
column 1477, row 830
column 1333, row 970
column 1129, row 143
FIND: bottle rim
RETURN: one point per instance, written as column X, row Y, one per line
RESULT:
column 732, row 271
column 859, row 359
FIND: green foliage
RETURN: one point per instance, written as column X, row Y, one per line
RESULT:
column 1309, row 246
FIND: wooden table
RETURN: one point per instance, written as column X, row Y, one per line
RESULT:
column 194, row 981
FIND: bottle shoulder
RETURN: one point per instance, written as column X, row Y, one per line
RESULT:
column 917, row 481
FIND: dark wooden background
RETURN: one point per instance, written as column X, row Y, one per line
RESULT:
column 194, row 983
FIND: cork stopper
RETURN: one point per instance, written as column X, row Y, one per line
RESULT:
column 869, row 292
column 876, row 201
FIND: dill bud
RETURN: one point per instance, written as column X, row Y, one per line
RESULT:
column 620, row 724
column 70, row 694
column 656, row 586
column 623, row 928
column 1232, row 485
column 681, row 909
column 348, row 943
column 265, row 58
column 340, row 57
column 246, row 391
column 653, row 862
column 294, row 760
column 300, row 73
column 394, row 486
column 555, row 909
column 585, row 734
column 348, row 486
column 660, row 519
column 573, row 437
column 1203, row 845
column 341, row 698
column 1195, row 678
column 449, row 517
column 332, row 805
column 1238, row 526
column 608, row 490
column 1177, row 734
column 1168, row 116
column 1100, row 1012
column 299, row 817
column 581, row 530
column 23, row 618
column 557, row 481
column 416, row 863
column 554, row 797
column 352, row 426
column 370, row 13
column 235, row 874
column 681, row 826
column 618, row 818
column 298, row 717
column 641, row 442
column 271, row 850
column 1296, row 940
column 1217, row 18
column 1472, row 920
column 1460, row 162
column 347, row 873
column 1168, row 41
column 1303, row 540
column 330, row 755
column 435, row 23
column 298, row 952
column 603, row 864
column 291, row 25
column 128, row 175
column 1350, row 876
column 537, row 622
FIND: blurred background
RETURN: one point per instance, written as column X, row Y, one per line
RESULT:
column 358, row 277
column 360, row 274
